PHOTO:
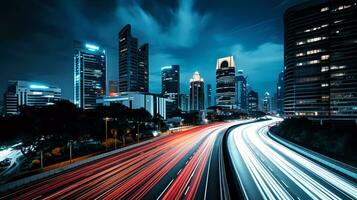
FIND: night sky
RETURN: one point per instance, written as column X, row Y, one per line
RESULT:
column 37, row 37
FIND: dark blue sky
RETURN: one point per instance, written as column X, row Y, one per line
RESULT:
column 36, row 37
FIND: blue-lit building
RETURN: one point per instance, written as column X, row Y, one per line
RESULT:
column 241, row 91
column 170, row 86
column 25, row 93
column 89, row 62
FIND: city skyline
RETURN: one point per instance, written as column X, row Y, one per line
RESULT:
column 55, row 51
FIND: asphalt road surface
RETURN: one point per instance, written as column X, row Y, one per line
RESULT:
column 184, row 165
column 269, row 170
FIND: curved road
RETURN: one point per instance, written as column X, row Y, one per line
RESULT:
column 179, row 166
column 268, row 170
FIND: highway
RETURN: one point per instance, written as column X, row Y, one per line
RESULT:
column 183, row 165
column 266, row 169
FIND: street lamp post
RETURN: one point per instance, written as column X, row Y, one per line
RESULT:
column 106, row 119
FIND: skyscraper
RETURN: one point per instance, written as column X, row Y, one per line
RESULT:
column 184, row 102
column 113, row 88
column 133, row 63
column 170, row 82
column 24, row 93
column 143, row 68
column 241, row 91
column 89, row 74
column 209, row 95
column 280, row 94
column 225, row 82
column 253, row 101
column 197, row 97
column 170, row 86
column 267, row 102
column 320, row 60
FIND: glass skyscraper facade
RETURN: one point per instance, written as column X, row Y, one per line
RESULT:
column 225, row 82
column 253, row 101
column 170, row 86
column 89, row 74
column 25, row 93
column 321, row 60
column 241, row 91
column 209, row 95
column 133, row 63
column 197, row 96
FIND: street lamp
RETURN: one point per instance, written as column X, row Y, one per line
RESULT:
column 106, row 119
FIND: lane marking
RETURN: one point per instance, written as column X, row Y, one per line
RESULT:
column 179, row 172
column 187, row 190
column 165, row 189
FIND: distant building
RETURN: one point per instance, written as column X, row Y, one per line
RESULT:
column 133, row 63
column 25, row 93
column 267, row 102
column 225, row 82
column 184, row 102
column 253, row 101
column 170, row 86
column 154, row 104
column 241, row 91
column 280, row 94
column 197, row 97
column 209, row 95
column 113, row 88
column 321, row 60
column 89, row 74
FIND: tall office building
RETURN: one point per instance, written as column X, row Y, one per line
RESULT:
column 280, row 94
column 267, row 102
column 170, row 82
column 253, row 101
column 241, row 91
column 321, row 60
column 225, row 82
column 89, row 74
column 25, row 93
column 143, row 68
column 197, row 97
column 133, row 63
column 184, row 102
column 209, row 95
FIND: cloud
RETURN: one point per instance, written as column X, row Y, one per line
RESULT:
column 262, row 65
column 182, row 31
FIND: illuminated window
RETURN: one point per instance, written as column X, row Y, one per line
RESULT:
column 299, row 54
column 313, row 62
column 314, row 51
column 324, row 85
column 324, row 69
column 324, row 9
column 325, row 57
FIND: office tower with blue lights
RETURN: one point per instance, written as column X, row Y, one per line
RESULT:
column 24, row 93
column 133, row 63
column 253, row 101
column 241, row 91
column 197, row 94
column 209, row 95
column 89, row 74
column 225, row 82
column 280, row 94
column 170, row 86
column 320, row 59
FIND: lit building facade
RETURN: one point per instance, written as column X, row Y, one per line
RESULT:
column 184, row 102
column 280, row 94
column 225, row 82
column 241, row 91
column 133, row 63
column 154, row 104
column 170, row 83
column 267, row 102
column 197, row 96
column 253, row 101
column 113, row 88
column 321, row 60
column 209, row 95
column 25, row 93
column 89, row 74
